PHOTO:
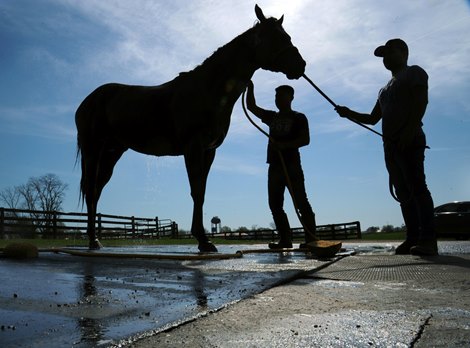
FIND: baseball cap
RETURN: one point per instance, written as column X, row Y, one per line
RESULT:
column 393, row 43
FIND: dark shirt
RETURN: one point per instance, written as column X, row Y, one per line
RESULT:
column 395, row 100
column 284, row 126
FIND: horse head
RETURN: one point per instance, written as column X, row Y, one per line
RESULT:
column 274, row 50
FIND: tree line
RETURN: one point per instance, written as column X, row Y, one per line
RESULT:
column 45, row 193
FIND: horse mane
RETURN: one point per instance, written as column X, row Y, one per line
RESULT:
column 225, row 52
column 227, row 49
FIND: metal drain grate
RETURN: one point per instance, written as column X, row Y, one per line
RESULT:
column 396, row 268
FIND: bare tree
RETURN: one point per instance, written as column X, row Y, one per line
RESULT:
column 28, row 196
column 11, row 197
column 46, row 194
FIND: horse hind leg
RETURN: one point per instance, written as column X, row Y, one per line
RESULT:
column 87, row 188
column 198, row 164
column 96, row 173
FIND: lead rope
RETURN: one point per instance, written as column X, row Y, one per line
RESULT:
column 284, row 168
column 390, row 184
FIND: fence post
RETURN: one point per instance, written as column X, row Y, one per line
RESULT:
column 54, row 224
column 359, row 233
column 2, row 221
column 174, row 230
column 149, row 230
column 99, row 225
column 157, row 229
column 133, row 227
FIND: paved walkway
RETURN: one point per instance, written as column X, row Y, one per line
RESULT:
column 370, row 300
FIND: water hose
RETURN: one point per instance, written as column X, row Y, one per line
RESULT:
column 390, row 184
column 335, row 105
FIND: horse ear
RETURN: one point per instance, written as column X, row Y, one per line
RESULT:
column 259, row 13
column 280, row 20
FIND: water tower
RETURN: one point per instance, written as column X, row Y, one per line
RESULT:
column 215, row 223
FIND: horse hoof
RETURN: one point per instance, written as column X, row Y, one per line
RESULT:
column 95, row 245
column 207, row 247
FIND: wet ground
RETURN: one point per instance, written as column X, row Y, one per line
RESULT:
column 371, row 299
column 63, row 300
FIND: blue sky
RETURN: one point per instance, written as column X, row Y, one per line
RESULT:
column 53, row 53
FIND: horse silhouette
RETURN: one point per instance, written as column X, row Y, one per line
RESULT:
column 189, row 115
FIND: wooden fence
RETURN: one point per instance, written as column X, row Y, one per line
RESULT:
column 17, row 223
column 340, row 231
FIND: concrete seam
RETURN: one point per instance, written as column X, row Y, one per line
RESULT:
column 420, row 331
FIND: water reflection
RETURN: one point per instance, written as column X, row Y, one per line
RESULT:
column 96, row 291
column 91, row 328
column 198, row 285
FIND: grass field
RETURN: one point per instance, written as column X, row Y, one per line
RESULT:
column 384, row 236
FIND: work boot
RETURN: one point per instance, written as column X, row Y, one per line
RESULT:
column 282, row 244
column 308, row 239
column 283, row 230
column 425, row 248
column 404, row 248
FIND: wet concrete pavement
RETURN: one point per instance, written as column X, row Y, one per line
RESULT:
column 374, row 299
column 366, row 300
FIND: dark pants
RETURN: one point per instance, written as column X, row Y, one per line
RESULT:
column 406, row 171
column 277, row 184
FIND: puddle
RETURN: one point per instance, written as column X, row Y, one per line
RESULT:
column 372, row 248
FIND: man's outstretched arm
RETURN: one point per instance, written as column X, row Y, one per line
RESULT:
column 371, row 118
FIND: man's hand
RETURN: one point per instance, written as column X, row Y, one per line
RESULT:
column 344, row 111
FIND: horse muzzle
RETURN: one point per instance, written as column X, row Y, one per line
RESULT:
column 290, row 62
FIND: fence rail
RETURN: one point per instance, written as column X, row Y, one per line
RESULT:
column 32, row 223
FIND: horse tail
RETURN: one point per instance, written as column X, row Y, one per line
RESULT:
column 87, row 117
column 78, row 156
column 81, row 199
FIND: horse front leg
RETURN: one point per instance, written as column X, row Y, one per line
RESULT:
column 94, row 243
column 88, row 189
column 198, row 164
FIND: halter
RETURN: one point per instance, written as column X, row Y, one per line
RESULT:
column 274, row 57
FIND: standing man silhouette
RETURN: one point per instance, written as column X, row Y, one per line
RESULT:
column 289, row 131
column 401, row 106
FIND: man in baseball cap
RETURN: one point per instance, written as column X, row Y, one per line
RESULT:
column 401, row 106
